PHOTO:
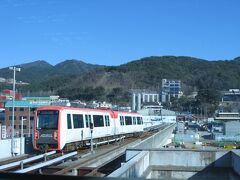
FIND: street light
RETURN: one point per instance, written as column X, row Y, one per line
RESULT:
column 14, row 69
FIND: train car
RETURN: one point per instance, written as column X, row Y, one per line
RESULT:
column 66, row 128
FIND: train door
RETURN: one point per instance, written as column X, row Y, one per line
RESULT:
column 121, row 128
column 135, row 128
column 114, row 126
column 88, row 121
column 70, row 131
column 98, row 125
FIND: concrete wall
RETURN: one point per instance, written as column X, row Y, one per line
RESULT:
column 5, row 146
column 232, row 127
column 190, row 158
column 168, row 163
column 236, row 161
column 134, row 168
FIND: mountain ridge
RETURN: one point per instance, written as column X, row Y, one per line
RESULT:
column 70, row 79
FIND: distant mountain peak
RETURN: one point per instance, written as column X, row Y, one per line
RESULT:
column 38, row 63
column 237, row 58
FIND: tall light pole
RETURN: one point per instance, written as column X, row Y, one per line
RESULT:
column 14, row 69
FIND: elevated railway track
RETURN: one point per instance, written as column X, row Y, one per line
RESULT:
column 105, row 158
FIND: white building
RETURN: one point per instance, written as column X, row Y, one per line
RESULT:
column 170, row 88
column 156, row 115
column 141, row 97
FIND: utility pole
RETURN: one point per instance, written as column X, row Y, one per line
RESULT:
column 14, row 69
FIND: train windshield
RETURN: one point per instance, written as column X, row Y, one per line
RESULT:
column 47, row 119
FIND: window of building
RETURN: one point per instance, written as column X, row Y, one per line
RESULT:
column 98, row 121
column 20, row 127
column 24, row 118
column 88, row 120
column 10, row 117
column 78, row 121
column 107, row 121
column 69, row 121
column 31, row 118
column 121, row 120
column 32, row 109
column 10, row 109
column 150, row 98
column 128, row 120
column 21, row 109
column 146, row 98
column 2, row 116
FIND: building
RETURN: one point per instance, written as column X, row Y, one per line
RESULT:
column 229, row 125
column 23, row 109
column 230, row 101
column 170, row 88
column 231, row 95
column 155, row 115
column 143, row 97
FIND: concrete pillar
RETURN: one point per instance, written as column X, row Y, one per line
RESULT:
column 139, row 102
column 133, row 102
column 153, row 97
column 148, row 98
column 143, row 97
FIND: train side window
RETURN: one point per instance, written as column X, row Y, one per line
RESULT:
column 128, row 120
column 138, row 120
column 121, row 121
column 134, row 120
column 78, row 121
column 69, row 121
column 88, row 120
column 107, row 122
column 98, row 121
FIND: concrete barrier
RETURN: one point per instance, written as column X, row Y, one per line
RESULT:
column 133, row 168
column 236, row 161
column 157, row 140
column 183, row 164
column 5, row 145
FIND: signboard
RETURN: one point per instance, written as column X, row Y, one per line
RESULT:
column 4, row 132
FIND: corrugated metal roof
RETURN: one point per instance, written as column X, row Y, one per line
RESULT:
column 24, row 103
column 37, row 98
column 17, row 103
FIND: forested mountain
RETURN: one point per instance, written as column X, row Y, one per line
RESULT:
column 39, row 71
column 78, row 80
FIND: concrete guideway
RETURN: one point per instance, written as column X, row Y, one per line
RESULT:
column 95, row 160
column 103, row 157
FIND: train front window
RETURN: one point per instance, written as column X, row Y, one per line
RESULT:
column 47, row 119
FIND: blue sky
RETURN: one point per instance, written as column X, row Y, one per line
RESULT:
column 113, row 32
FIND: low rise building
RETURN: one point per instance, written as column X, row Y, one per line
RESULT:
column 229, row 126
column 23, row 110
column 142, row 97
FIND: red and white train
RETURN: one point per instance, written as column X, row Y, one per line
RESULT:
column 64, row 128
